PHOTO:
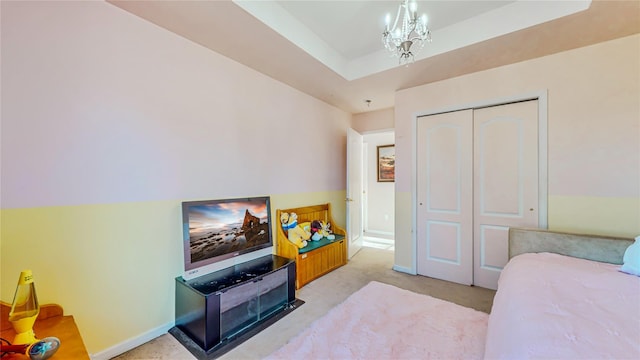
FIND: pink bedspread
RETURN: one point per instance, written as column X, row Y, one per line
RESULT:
column 554, row 306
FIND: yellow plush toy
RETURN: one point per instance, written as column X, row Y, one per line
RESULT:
column 296, row 233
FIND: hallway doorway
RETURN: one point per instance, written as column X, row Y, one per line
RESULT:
column 378, row 198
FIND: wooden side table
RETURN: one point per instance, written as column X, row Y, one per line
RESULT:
column 50, row 322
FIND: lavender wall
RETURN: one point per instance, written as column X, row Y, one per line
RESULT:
column 108, row 123
column 100, row 106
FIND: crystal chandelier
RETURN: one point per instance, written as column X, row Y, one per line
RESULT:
column 405, row 32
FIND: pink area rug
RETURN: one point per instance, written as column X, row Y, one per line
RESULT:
column 381, row 321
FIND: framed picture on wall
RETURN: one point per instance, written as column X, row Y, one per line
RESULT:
column 386, row 163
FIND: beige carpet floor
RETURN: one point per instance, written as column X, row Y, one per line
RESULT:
column 320, row 296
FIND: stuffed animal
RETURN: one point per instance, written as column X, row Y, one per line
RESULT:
column 316, row 226
column 321, row 229
column 296, row 233
column 308, row 228
column 325, row 230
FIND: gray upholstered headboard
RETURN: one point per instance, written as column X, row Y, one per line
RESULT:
column 592, row 247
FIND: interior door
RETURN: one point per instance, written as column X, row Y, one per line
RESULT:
column 444, row 196
column 505, row 183
column 354, row 191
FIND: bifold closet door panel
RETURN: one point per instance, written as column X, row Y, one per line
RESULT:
column 505, row 182
column 444, row 196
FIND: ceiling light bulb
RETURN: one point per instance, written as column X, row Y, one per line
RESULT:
column 413, row 7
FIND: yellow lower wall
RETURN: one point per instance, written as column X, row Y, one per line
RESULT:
column 578, row 214
column 404, row 247
column 111, row 266
column 595, row 215
column 336, row 198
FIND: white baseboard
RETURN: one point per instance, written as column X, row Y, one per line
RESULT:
column 380, row 234
column 404, row 270
column 131, row 343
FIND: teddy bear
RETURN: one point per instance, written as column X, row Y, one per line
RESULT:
column 296, row 234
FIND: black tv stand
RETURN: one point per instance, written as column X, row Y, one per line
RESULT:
column 217, row 311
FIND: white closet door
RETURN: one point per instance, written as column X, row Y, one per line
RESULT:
column 444, row 190
column 505, row 183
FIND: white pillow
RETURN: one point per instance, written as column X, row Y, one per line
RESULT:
column 631, row 259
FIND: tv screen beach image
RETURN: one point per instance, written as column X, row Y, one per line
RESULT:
column 221, row 228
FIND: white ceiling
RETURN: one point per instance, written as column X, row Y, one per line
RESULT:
column 346, row 35
column 354, row 28
column 332, row 50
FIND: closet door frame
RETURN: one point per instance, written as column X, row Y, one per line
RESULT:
column 541, row 96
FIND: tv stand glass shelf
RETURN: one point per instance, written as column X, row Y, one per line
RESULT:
column 215, row 308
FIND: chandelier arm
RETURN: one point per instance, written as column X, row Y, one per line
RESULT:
column 412, row 29
column 417, row 38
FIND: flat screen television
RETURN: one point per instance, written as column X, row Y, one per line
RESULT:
column 216, row 230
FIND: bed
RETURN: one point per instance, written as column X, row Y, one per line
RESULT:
column 562, row 296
